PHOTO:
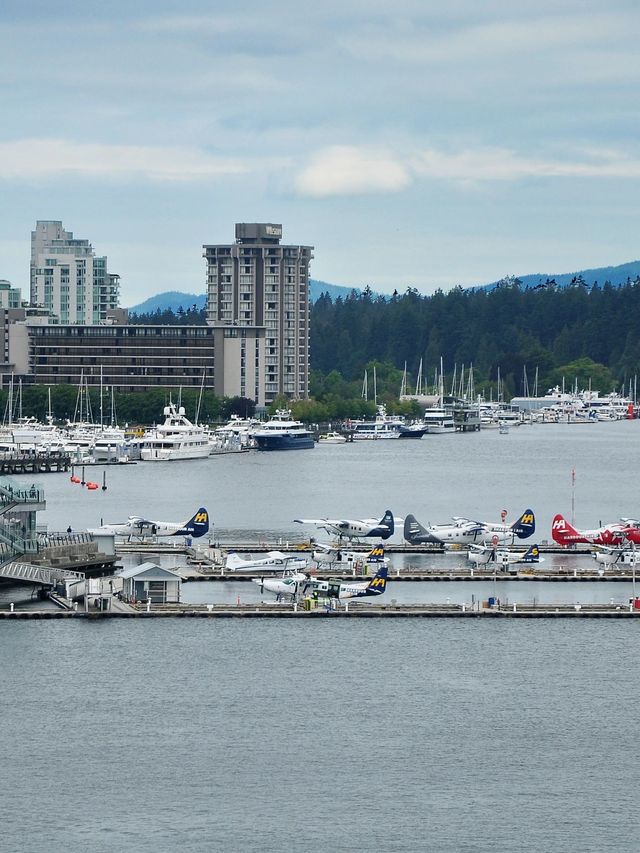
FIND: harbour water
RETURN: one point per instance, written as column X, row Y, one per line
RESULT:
column 474, row 474
column 369, row 735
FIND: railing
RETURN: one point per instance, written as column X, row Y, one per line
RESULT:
column 11, row 493
column 38, row 574
column 53, row 540
column 19, row 544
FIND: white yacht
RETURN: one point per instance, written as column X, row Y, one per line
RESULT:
column 238, row 428
column 384, row 426
column 177, row 438
column 438, row 420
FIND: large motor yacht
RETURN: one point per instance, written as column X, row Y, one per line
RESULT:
column 282, row 433
column 177, row 438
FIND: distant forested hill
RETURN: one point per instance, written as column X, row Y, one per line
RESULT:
column 581, row 332
column 613, row 275
column 173, row 300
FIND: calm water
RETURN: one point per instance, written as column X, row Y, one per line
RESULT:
column 476, row 475
column 370, row 736
column 366, row 735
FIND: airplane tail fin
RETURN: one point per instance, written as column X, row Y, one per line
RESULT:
column 387, row 522
column 197, row 526
column 413, row 530
column 378, row 582
column 233, row 561
column 532, row 555
column 562, row 532
column 525, row 526
column 376, row 555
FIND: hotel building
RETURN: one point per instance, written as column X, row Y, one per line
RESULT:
column 258, row 305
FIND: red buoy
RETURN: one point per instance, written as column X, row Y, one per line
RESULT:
column 92, row 486
column 75, row 479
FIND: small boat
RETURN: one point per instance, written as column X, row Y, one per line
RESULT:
column 332, row 438
column 416, row 430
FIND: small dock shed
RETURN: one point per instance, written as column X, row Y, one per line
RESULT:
column 149, row 581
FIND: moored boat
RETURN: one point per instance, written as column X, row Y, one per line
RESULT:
column 283, row 433
column 332, row 438
column 177, row 438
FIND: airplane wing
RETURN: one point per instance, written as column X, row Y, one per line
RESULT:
column 319, row 522
column 328, row 549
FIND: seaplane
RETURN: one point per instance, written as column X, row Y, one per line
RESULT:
column 465, row 531
column 287, row 586
column 361, row 528
column 336, row 588
column 482, row 555
column 332, row 555
column 137, row 527
column 275, row 561
column 616, row 533
column 609, row 557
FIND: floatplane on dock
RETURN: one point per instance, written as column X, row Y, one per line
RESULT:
column 464, row 531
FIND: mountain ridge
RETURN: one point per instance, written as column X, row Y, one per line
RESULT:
column 616, row 275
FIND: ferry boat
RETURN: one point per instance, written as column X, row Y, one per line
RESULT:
column 384, row 426
column 177, row 438
column 283, row 433
column 439, row 420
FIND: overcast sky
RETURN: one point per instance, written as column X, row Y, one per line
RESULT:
column 410, row 142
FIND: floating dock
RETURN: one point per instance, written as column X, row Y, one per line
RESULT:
column 289, row 611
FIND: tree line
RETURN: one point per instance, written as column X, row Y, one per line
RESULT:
column 579, row 333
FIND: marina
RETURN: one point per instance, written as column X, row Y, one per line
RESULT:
column 391, row 472
column 454, row 663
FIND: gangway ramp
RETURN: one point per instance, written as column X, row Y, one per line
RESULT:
column 45, row 575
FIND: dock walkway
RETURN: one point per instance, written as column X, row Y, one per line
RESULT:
column 353, row 610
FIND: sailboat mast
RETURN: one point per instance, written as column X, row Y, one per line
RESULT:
column 101, row 392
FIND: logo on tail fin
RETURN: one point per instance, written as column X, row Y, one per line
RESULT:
column 376, row 555
column 563, row 533
column 525, row 526
column 378, row 584
column 196, row 526
column 532, row 555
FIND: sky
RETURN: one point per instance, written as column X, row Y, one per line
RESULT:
column 412, row 143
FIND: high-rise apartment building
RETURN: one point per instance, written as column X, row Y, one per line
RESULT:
column 67, row 278
column 258, row 300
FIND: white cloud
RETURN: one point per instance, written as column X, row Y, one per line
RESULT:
column 497, row 164
column 348, row 170
column 51, row 158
